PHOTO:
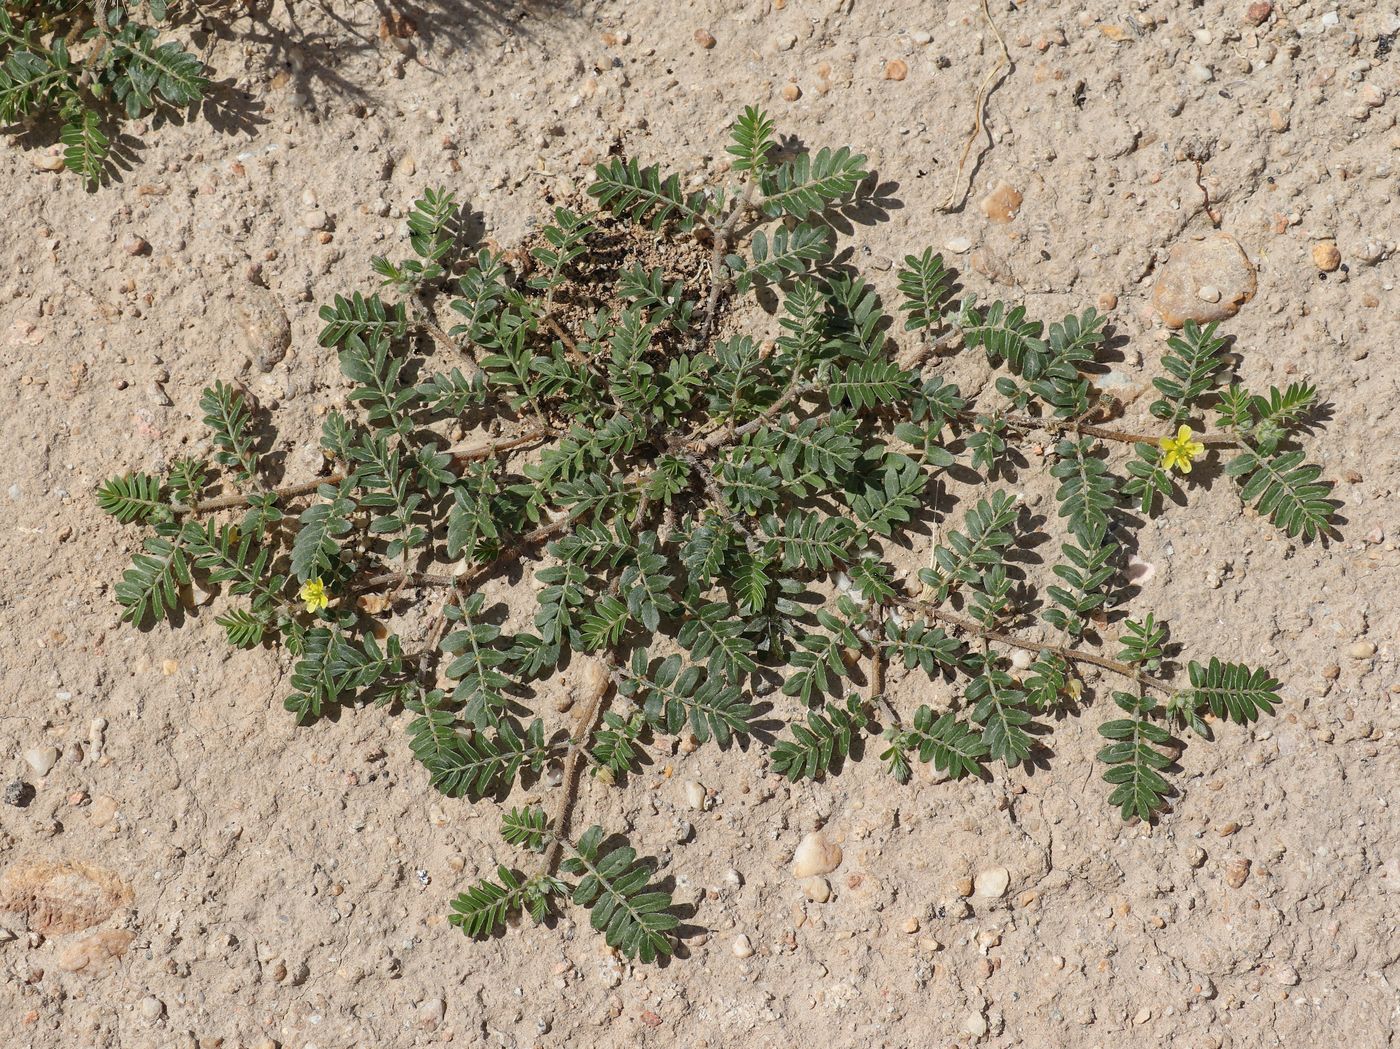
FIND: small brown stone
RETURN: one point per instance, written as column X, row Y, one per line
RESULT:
column 791, row 92
column 1325, row 255
column 1108, row 301
column 896, row 69
column 1002, row 203
column 95, row 953
column 992, row 266
column 1217, row 262
column 1257, row 13
column 704, row 38
column 1236, row 871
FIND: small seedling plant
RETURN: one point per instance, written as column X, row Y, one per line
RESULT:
column 709, row 518
column 87, row 64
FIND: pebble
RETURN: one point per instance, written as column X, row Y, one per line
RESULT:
column 50, row 161
column 136, row 246
column 267, row 334
column 315, row 219
column 818, row 890
column 1257, row 13
column 975, row 1025
column 430, row 1014
column 743, row 946
column 695, row 794
column 1208, row 293
column 992, row 266
column 152, row 1007
column 1002, row 203
column 1372, row 96
column 1143, row 1015
column 992, row 883
column 896, row 69
column 958, row 245
column 815, row 855
column 1201, row 73
column 14, row 792
column 704, row 38
column 1236, row 871
column 1325, row 255
column 1356, row 650
column 41, row 759
column 1218, row 262
column 791, row 92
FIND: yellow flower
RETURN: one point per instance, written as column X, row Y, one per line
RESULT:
column 1179, row 451
column 313, row 592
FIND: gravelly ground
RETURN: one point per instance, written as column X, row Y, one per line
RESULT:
column 272, row 870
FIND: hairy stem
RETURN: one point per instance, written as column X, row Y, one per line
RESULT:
column 1061, row 426
column 1074, row 655
column 586, row 720
column 467, row 454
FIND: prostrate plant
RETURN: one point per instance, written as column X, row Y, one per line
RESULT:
column 707, row 512
column 87, row 62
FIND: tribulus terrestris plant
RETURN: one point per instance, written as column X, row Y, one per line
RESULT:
column 711, row 516
column 87, row 63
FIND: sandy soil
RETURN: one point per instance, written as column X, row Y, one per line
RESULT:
column 225, row 878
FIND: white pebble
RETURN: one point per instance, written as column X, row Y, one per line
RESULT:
column 41, row 759
column 430, row 1013
column 151, row 1007
column 815, row 855
column 743, row 946
column 992, row 883
column 1021, row 659
column 695, row 794
column 1356, row 650
column 818, row 890
column 958, row 245
column 315, row 220
column 1208, row 293
column 975, row 1025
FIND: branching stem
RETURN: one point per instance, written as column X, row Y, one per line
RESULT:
column 1074, row 655
column 467, row 454
column 1062, row 426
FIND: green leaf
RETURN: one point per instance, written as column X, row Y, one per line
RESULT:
column 315, row 552
column 1287, row 490
column 925, row 284
column 85, row 146
column 751, row 138
column 149, row 589
column 987, row 534
column 1087, row 491
column 789, row 253
column 951, row 745
column 631, row 913
column 674, row 695
column 1192, row 359
column 133, row 497
column 809, row 183
column 1005, row 334
column 361, row 320
column 231, row 425
column 1139, row 789
column 820, row 745
column 998, row 708
column 625, row 188
column 1233, row 690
